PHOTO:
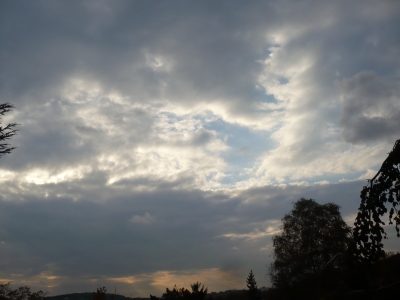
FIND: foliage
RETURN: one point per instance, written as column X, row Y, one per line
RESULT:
column 176, row 293
column 378, row 281
column 199, row 292
column 8, row 131
column 311, row 235
column 100, row 294
column 252, row 286
column 383, row 188
column 21, row 293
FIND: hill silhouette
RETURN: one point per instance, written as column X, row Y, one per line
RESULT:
column 89, row 296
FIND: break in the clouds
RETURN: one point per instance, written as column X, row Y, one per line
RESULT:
column 162, row 142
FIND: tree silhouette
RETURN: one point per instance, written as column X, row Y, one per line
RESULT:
column 311, row 235
column 21, row 293
column 176, row 293
column 252, row 286
column 8, row 131
column 100, row 294
column 383, row 188
column 199, row 292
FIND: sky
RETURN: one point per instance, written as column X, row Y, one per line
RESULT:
column 161, row 142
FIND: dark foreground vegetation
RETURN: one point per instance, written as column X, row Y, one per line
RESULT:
column 379, row 281
column 332, row 283
column 21, row 293
column 318, row 256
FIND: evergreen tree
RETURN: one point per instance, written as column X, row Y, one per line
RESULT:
column 252, row 286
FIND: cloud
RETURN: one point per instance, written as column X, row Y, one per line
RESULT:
column 64, row 239
column 371, row 108
column 145, row 219
column 127, row 92
column 253, row 235
column 149, row 129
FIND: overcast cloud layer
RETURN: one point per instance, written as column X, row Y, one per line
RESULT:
column 162, row 142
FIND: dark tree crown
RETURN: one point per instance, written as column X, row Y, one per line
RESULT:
column 311, row 235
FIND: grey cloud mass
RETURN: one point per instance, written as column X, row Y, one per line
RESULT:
column 371, row 108
column 94, row 237
column 162, row 142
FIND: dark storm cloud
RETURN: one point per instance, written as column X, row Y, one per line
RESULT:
column 371, row 108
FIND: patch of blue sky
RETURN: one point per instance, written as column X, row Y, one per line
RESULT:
column 262, row 95
column 173, row 119
column 283, row 80
column 245, row 144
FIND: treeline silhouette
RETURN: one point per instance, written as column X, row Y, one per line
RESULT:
column 21, row 293
column 198, row 292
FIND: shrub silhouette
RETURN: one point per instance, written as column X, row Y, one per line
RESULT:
column 199, row 292
column 100, row 294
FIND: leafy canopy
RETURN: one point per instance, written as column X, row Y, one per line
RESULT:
column 383, row 189
column 311, row 235
column 199, row 292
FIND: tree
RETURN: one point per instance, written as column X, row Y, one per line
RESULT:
column 8, row 131
column 383, row 188
column 252, row 286
column 100, row 294
column 21, row 293
column 311, row 235
column 199, row 292
column 176, row 293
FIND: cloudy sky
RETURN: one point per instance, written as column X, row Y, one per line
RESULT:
column 161, row 142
